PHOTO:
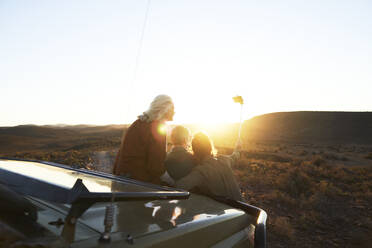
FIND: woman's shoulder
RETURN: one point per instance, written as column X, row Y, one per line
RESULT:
column 138, row 124
column 207, row 163
column 222, row 158
column 137, row 129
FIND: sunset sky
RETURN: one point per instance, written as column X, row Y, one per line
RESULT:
column 73, row 62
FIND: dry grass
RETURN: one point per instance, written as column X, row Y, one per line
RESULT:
column 311, row 201
column 283, row 227
column 369, row 156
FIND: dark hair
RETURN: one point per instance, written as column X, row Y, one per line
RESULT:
column 201, row 145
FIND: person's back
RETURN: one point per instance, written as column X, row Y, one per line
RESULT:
column 179, row 161
column 141, row 152
column 213, row 175
column 143, row 148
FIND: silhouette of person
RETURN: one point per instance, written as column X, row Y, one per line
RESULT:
column 143, row 148
column 213, row 175
column 179, row 162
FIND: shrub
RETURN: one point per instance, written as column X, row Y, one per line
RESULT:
column 319, row 202
column 328, row 189
column 297, row 162
column 369, row 156
column 330, row 156
column 295, row 183
column 343, row 158
column 303, row 153
column 283, row 227
column 308, row 220
column 318, row 161
column 282, row 198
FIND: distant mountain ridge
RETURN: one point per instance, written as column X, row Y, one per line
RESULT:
column 311, row 127
column 56, row 138
column 294, row 127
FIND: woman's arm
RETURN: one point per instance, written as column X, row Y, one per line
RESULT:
column 192, row 180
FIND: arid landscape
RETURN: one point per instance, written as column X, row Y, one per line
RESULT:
column 311, row 171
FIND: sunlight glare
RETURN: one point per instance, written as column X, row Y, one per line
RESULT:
column 162, row 129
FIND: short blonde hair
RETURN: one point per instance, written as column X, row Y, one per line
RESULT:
column 179, row 135
column 159, row 107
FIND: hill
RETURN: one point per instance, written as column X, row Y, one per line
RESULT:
column 311, row 127
column 26, row 138
column 286, row 127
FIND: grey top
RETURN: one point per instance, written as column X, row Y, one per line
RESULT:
column 179, row 162
column 214, row 176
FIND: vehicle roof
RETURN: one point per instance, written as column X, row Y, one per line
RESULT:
column 137, row 218
column 65, row 177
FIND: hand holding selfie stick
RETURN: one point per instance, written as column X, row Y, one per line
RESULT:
column 239, row 99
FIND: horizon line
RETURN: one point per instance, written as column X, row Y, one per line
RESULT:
column 180, row 123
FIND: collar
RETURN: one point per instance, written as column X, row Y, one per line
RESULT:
column 178, row 148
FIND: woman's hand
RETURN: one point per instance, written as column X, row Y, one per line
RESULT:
column 238, row 145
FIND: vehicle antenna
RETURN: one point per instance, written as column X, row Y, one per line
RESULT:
column 137, row 59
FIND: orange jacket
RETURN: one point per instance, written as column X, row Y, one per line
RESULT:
column 142, row 152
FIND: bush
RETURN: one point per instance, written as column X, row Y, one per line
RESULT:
column 319, row 202
column 328, row 189
column 283, row 227
column 297, row 162
column 330, row 156
column 303, row 153
column 282, row 198
column 308, row 220
column 295, row 183
column 369, row 156
column 318, row 161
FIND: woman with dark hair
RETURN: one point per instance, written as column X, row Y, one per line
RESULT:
column 213, row 175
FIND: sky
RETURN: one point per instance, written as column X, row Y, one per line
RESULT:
column 102, row 62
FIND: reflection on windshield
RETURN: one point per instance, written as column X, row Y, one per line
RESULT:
column 155, row 208
column 55, row 175
column 167, row 214
column 66, row 178
column 176, row 212
column 202, row 216
column 142, row 217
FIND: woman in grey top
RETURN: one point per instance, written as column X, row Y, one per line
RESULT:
column 213, row 174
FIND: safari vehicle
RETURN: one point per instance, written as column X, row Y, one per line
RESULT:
column 45, row 204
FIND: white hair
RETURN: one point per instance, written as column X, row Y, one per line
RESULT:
column 159, row 107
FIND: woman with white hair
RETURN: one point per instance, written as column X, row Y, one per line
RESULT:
column 143, row 148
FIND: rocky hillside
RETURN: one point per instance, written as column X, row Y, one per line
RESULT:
column 286, row 127
column 54, row 138
column 311, row 127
